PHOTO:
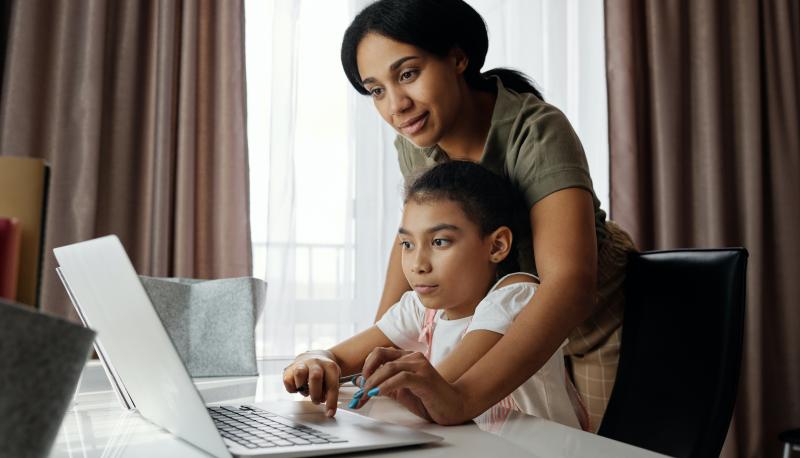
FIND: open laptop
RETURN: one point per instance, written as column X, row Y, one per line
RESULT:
column 107, row 292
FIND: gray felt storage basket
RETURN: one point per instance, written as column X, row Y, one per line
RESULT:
column 41, row 359
column 211, row 322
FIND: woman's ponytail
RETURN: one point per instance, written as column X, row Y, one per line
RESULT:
column 514, row 80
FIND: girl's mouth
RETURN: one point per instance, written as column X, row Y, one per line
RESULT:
column 425, row 289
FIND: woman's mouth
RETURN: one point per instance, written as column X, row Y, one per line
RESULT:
column 425, row 289
column 414, row 125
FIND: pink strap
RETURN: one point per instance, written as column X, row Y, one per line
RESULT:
column 577, row 403
column 426, row 335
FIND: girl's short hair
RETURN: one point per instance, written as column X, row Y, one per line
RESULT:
column 487, row 200
column 437, row 26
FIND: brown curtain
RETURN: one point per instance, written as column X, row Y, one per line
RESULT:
column 705, row 152
column 139, row 108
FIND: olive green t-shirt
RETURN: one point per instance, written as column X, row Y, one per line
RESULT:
column 533, row 145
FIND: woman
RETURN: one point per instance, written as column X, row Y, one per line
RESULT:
column 420, row 61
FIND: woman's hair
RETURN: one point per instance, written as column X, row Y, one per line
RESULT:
column 487, row 199
column 436, row 26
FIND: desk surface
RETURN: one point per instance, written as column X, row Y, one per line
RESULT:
column 97, row 426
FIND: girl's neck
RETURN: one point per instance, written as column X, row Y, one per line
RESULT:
column 466, row 309
column 456, row 313
column 467, row 139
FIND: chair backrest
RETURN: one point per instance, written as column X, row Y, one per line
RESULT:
column 681, row 351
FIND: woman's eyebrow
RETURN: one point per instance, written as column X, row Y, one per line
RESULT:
column 392, row 67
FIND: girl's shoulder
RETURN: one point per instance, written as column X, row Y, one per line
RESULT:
column 515, row 278
column 512, row 291
column 505, row 301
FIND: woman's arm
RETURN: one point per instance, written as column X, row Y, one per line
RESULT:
column 566, row 259
column 396, row 283
column 475, row 344
column 565, row 244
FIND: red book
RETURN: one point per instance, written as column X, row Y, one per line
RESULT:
column 10, row 242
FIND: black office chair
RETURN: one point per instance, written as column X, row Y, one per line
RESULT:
column 681, row 351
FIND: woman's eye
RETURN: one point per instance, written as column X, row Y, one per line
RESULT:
column 408, row 74
column 405, row 244
column 376, row 92
column 441, row 242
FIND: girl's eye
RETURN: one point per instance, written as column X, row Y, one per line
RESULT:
column 405, row 244
column 408, row 74
column 376, row 92
column 441, row 242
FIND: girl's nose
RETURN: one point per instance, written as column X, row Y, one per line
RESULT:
column 421, row 263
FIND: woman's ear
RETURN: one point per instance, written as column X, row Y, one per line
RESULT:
column 500, row 242
column 460, row 59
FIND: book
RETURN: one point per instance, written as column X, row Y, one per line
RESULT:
column 23, row 195
column 10, row 242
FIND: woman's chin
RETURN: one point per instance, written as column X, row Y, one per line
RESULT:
column 421, row 140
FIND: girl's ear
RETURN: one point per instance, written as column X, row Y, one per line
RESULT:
column 460, row 59
column 500, row 241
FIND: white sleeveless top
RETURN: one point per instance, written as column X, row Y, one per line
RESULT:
column 543, row 395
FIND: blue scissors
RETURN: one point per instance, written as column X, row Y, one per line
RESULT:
column 342, row 380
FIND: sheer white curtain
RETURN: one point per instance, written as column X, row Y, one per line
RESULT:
column 325, row 185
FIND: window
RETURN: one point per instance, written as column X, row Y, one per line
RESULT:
column 325, row 185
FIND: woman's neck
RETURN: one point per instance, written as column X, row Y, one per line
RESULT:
column 467, row 139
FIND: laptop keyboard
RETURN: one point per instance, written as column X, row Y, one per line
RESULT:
column 255, row 428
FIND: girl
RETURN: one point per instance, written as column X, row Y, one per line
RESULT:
column 420, row 62
column 455, row 241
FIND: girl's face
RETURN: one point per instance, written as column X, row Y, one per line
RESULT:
column 444, row 257
column 417, row 93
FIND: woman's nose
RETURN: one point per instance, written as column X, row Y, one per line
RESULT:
column 399, row 101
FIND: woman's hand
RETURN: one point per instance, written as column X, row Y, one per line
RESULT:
column 314, row 374
column 410, row 379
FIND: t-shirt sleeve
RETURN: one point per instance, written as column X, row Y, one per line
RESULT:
column 402, row 323
column 499, row 308
column 549, row 157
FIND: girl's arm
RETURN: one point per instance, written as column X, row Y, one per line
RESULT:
column 396, row 283
column 316, row 373
column 566, row 259
column 351, row 353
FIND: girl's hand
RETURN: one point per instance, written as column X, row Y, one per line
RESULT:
column 410, row 379
column 314, row 374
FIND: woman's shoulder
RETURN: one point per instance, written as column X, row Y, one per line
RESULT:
column 526, row 113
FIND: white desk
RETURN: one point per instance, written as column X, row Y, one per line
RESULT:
column 96, row 426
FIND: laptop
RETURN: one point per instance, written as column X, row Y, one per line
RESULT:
column 135, row 347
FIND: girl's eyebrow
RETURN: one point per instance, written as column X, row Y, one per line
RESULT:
column 392, row 67
column 437, row 228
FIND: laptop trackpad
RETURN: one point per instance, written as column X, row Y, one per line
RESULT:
column 290, row 408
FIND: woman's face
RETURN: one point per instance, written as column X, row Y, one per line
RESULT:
column 444, row 257
column 417, row 93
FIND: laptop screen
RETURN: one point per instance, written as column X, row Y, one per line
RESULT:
column 113, row 302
